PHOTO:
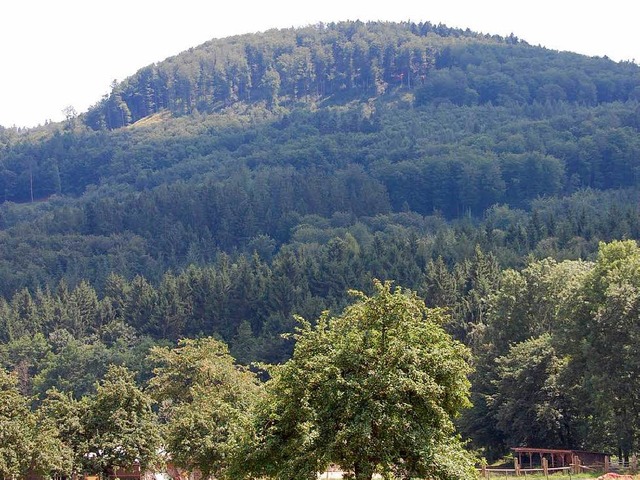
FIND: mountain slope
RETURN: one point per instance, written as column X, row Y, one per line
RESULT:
column 229, row 188
column 404, row 118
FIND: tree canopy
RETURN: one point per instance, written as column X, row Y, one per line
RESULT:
column 226, row 190
column 120, row 427
column 206, row 403
column 374, row 390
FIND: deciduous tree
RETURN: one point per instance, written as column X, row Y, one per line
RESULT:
column 374, row 389
column 16, row 428
column 121, row 428
column 206, row 403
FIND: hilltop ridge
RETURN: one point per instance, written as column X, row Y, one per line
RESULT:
column 351, row 60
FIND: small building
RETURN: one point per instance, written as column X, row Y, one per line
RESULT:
column 556, row 457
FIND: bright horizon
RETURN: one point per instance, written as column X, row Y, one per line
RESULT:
column 67, row 53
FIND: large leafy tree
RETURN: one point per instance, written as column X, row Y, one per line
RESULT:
column 16, row 428
column 527, row 318
column 603, row 339
column 206, row 403
column 51, row 455
column 69, row 416
column 531, row 405
column 29, row 442
column 120, row 426
column 374, row 389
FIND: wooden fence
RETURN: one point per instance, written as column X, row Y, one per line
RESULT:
column 575, row 467
column 498, row 473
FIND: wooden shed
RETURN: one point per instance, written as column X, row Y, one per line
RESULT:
column 556, row 457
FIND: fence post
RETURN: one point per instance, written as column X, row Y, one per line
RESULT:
column 516, row 466
column 483, row 470
column 607, row 464
column 634, row 463
column 576, row 464
column 545, row 466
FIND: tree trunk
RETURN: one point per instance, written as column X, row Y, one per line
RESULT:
column 363, row 471
column 31, row 182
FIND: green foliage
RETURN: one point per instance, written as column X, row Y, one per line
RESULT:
column 261, row 177
column 522, row 388
column 70, row 416
column 120, row 427
column 373, row 390
column 605, row 313
column 51, row 453
column 16, row 428
column 206, row 403
column 530, row 404
column 555, row 359
column 29, row 443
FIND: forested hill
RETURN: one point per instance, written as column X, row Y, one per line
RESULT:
column 284, row 67
column 226, row 189
column 290, row 138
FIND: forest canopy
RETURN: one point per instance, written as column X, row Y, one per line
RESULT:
column 226, row 190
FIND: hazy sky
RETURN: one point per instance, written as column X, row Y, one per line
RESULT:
column 58, row 53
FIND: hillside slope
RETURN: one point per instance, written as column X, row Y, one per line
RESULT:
column 251, row 179
column 361, row 121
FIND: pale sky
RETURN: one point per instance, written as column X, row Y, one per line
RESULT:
column 59, row 53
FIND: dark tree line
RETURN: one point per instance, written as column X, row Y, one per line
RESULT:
column 246, row 301
column 455, row 160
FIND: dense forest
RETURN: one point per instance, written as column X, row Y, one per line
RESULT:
column 226, row 190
